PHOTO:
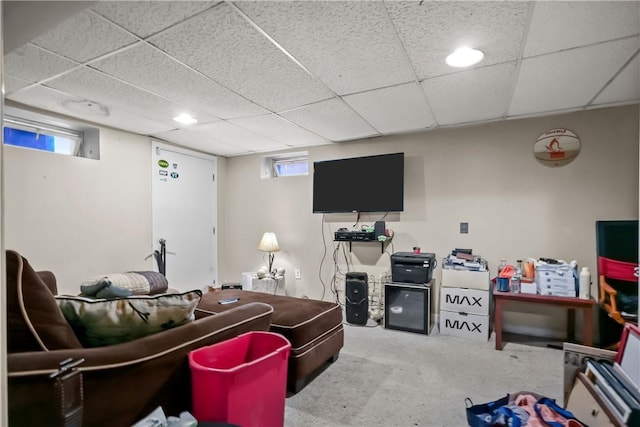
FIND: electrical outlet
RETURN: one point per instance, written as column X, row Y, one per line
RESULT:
column 464, row 227
column 298, row 275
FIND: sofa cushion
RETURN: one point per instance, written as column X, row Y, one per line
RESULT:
column 34, row 321
column 117, row 285
column 100, row 322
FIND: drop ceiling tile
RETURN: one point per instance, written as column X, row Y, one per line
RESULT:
column 350, row 45
column 431, row 30
column 559, row 25
column 146, row 67
column 625, row 87
column 224, row 46
column 332, row 119
column 470, row 96
column 84, row 36
column 145, row 18
column 34, row 64
column 200, row 140
column 279, row 129
column 234, row 135
column 568, row 79
column 12, row 84
column 55, row 101
column 393, row 109
column 95, row 86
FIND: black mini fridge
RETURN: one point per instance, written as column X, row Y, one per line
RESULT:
column 408, row 307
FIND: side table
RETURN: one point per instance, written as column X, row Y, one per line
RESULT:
column 270, row 285
column 585, row 305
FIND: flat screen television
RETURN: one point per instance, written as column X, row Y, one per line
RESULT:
column 359, row 184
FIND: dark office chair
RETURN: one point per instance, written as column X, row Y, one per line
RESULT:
column 617, row 249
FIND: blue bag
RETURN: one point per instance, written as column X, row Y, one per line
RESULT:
column 496, row 413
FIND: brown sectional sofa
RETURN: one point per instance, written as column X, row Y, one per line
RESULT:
column 124, row 382
column 314, row 328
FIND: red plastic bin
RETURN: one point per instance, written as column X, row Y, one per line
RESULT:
column 242, row 380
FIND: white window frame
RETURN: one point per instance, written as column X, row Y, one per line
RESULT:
column 76, row 138
column 269, row 168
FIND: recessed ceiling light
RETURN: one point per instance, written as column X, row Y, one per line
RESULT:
column 464, row 57
column 185, row 119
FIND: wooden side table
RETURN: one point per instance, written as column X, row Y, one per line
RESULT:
column 572, row 304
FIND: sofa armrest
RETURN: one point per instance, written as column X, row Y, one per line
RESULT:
column 49, row 279
column 125, row 382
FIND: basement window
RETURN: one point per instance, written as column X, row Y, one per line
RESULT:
column 26, row 129
column 291, row 164
column 38, row 136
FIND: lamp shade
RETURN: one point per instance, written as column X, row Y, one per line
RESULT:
column 269, row 243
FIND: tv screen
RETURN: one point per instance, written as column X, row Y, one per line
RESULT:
column 359, row 184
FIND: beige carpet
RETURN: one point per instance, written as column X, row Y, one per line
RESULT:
column 391, row 378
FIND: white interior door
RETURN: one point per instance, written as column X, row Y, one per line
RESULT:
column 184, row 198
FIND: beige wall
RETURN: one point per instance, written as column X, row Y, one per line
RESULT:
column 484, row 175
column 80, row 217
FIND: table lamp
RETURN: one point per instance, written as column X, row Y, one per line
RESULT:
column 269, row 243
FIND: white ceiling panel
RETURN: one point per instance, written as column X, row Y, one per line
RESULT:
column 239, row 137
column 270, row 75
column 34, row 64
column 393, row 109
column 56, row 101
column 624, row 88
column 570, row 78
column 222, row 45
column 84, row 36
column 201, row 140
column 561, row 25
column 332, row 119
column 145, row 18
column 12, row 84
column 432, row 30
column 279, row 129
column 470, row 96
column 350, row 46
column 150, row 69
column 95, row 86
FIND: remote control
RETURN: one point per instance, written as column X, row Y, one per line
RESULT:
column 228, row 300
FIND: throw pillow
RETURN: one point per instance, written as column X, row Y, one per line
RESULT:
column 99, row 322
column 118, row 285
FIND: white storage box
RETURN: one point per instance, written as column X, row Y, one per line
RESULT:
column 556, row 279
column 528, row 288
column 472, row 301
column 465, row 279
column 464, row 325
column 558, row 293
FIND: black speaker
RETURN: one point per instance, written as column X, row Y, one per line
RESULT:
column 378, row 228
column 357, row 290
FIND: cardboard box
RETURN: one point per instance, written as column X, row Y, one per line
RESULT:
column 472, row 301
column 465, row 279
column 465, row 325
